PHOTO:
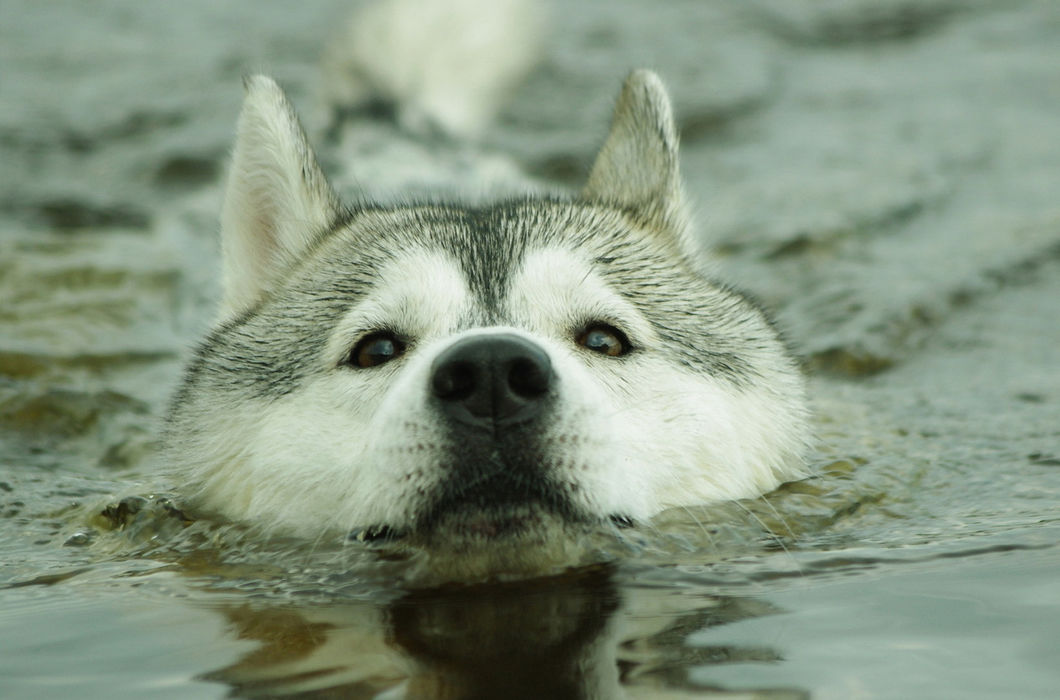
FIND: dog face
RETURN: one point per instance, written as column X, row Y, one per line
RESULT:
column 473, row 374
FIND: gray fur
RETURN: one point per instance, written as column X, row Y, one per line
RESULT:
column 487, row 243
column 284, row 348
column 637, row 166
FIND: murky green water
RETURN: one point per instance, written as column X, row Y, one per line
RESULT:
column 884, row 173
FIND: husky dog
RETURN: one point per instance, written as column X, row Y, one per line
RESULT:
column 476, row 378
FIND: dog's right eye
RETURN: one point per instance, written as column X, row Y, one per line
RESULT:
column 376, row 349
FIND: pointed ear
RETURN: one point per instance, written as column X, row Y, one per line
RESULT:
column 277, row 199
column 637, row 166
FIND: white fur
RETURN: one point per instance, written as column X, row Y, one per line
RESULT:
column 343, row 448
column 443, row 63
column 276, row 201
column 638, row 435
column 730, row 444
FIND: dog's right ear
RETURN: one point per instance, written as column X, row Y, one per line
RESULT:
column 277, row 200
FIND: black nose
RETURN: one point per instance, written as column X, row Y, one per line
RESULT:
column 491, row 380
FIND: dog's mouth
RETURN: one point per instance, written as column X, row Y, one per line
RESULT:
column 487, row 502
column 375, row 535
column 481, row 526
column 489, row 524
column 466, row 524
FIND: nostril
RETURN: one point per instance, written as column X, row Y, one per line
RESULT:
column 528, row 377
column 454, row 381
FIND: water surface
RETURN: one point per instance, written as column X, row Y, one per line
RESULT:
column 883, row 174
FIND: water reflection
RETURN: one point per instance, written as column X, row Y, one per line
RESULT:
column 576, row 636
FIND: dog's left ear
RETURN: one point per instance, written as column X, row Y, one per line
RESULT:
column 637, row 168
column 277, row 199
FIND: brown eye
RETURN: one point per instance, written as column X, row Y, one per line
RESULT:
column 375, row 349
column 604, row 339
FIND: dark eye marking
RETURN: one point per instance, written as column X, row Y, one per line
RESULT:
column 376, row 349
column 604, row 339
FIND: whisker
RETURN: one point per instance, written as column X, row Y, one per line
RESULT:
column 703, row 528
column 776, row 538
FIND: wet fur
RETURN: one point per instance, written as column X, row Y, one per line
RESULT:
column 271, row 426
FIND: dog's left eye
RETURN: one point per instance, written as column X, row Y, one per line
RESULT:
column 375, row 349
column 604, row 339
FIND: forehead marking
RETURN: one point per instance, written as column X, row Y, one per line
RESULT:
column 423, row 287
column 557, row 287
column 419, row 293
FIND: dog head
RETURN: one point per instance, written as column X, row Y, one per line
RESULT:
column 476, row 373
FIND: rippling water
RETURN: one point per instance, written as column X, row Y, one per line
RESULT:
column 885, row 175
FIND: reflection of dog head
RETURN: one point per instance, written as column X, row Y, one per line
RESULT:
column 473, row 373
column 579, row 635
column 552, row 638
